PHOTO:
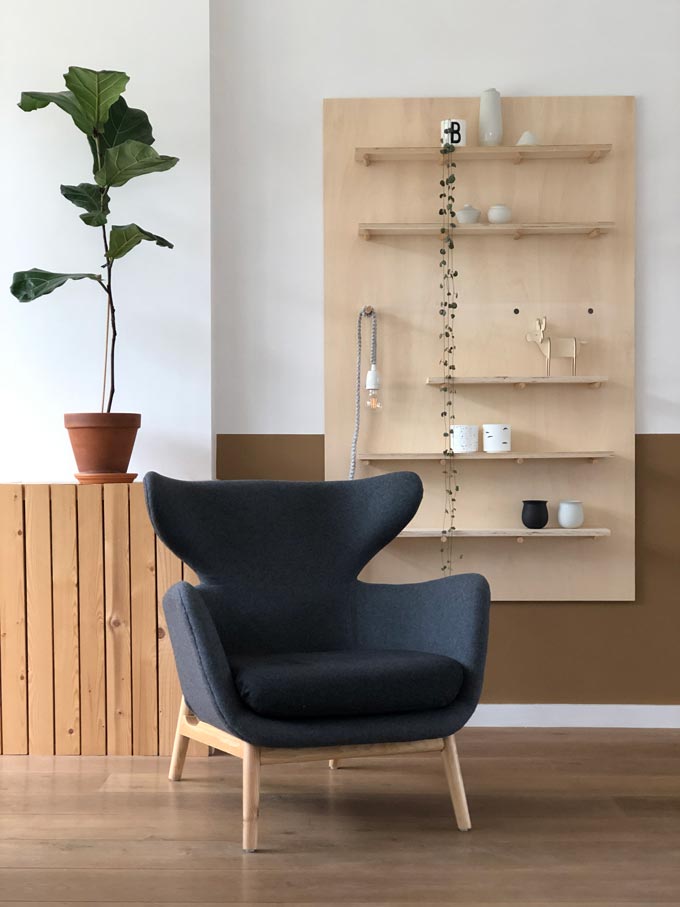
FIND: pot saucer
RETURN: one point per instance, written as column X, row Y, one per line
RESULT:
column 105, row 478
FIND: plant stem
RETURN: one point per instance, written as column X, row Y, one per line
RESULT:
column 106, row 353
column 112, row 319
column 107, row 287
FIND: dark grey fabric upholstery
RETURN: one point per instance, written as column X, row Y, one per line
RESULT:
column 278, row 565
column 341, row 684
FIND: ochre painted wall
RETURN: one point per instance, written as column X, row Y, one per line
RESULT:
column 588, row 652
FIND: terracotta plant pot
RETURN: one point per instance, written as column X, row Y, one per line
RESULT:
column 102, row 445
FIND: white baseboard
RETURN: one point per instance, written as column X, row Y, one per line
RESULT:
column 562, row 715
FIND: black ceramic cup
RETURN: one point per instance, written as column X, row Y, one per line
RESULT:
column 535, row 514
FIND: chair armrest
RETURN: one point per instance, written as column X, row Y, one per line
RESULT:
column 202, row 665
column 448, row 616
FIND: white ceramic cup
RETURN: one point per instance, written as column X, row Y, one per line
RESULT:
column 497, row 437
column 499, row 214
column 570, row 514
column 453, row 132
column 464, row 438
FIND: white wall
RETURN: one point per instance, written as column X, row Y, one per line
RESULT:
column 51, row 350
column 273, row 61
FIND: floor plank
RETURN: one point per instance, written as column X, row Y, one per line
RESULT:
column 564, row 817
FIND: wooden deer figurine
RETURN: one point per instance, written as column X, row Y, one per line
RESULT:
column 554, row 347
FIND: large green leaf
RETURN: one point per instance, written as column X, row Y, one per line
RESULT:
column 65, row 100
column 90, row 197
column 124, row 123
column 28, row 285
column 95, row 92
column 127, row 237
column 128, row 160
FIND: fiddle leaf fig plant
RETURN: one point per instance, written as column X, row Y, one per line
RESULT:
column 120, row 140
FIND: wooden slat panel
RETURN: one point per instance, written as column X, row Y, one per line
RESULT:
column 65, row 610
column 92, row 646
column 13, row 673
column 39, row 620
column 195, row 748
column 169, row 571
column 117, row 602
column 144, row 627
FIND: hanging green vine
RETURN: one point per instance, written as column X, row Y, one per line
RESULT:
column 447, row 309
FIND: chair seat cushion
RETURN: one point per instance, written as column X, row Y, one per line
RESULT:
column 341, row 684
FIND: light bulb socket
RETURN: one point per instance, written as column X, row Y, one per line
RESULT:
column 372, row 378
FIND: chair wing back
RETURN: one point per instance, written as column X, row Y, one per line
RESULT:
column 258, row 534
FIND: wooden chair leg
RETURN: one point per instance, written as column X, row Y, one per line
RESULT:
column 251, row 795
column 455, row 782
column 333, row 763
column 180, row 746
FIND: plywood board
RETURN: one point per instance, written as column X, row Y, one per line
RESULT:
column 584, row 286
column 144, row 625
column 92, row 617
column 169, row 569
column 39, row 620
column 66, row 623
column 13, row 670
column 118, row 632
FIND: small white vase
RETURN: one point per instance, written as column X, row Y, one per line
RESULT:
column 453, row 132
column 490, row 118
column 464, row 438
column 570, row 514
column 499, row 214
column 497, row 438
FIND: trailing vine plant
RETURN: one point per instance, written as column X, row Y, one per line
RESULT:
column 447, row 310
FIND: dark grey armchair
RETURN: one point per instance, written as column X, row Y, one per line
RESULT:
column 284, row 655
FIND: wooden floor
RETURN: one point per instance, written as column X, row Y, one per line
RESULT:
column 559, row 817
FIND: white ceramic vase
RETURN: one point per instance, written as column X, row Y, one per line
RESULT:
column 464, row 438
column 497, row 438
column 570, row 514
column 490, row 118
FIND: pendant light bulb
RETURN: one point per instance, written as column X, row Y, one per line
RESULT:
column 373, row 386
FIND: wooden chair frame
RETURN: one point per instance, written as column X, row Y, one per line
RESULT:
column 189, row 727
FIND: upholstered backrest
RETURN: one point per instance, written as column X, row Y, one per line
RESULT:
column 277, row 557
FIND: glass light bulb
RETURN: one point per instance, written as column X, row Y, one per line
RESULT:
column 372, row 400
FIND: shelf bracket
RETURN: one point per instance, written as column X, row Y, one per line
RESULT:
column 517, row 234
column 520, row 540
column 595, row 384
column 517, row 159
column 594, row 233
column 520, row 460
column 520, row 385
column 594, row 157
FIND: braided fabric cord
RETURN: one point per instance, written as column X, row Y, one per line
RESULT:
column 357, row 396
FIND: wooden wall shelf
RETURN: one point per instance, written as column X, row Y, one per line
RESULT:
column 518, row 456
column 515, row 154
column 519, row 534
column 521, row 381
column 563, row 435
column 591, row 229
